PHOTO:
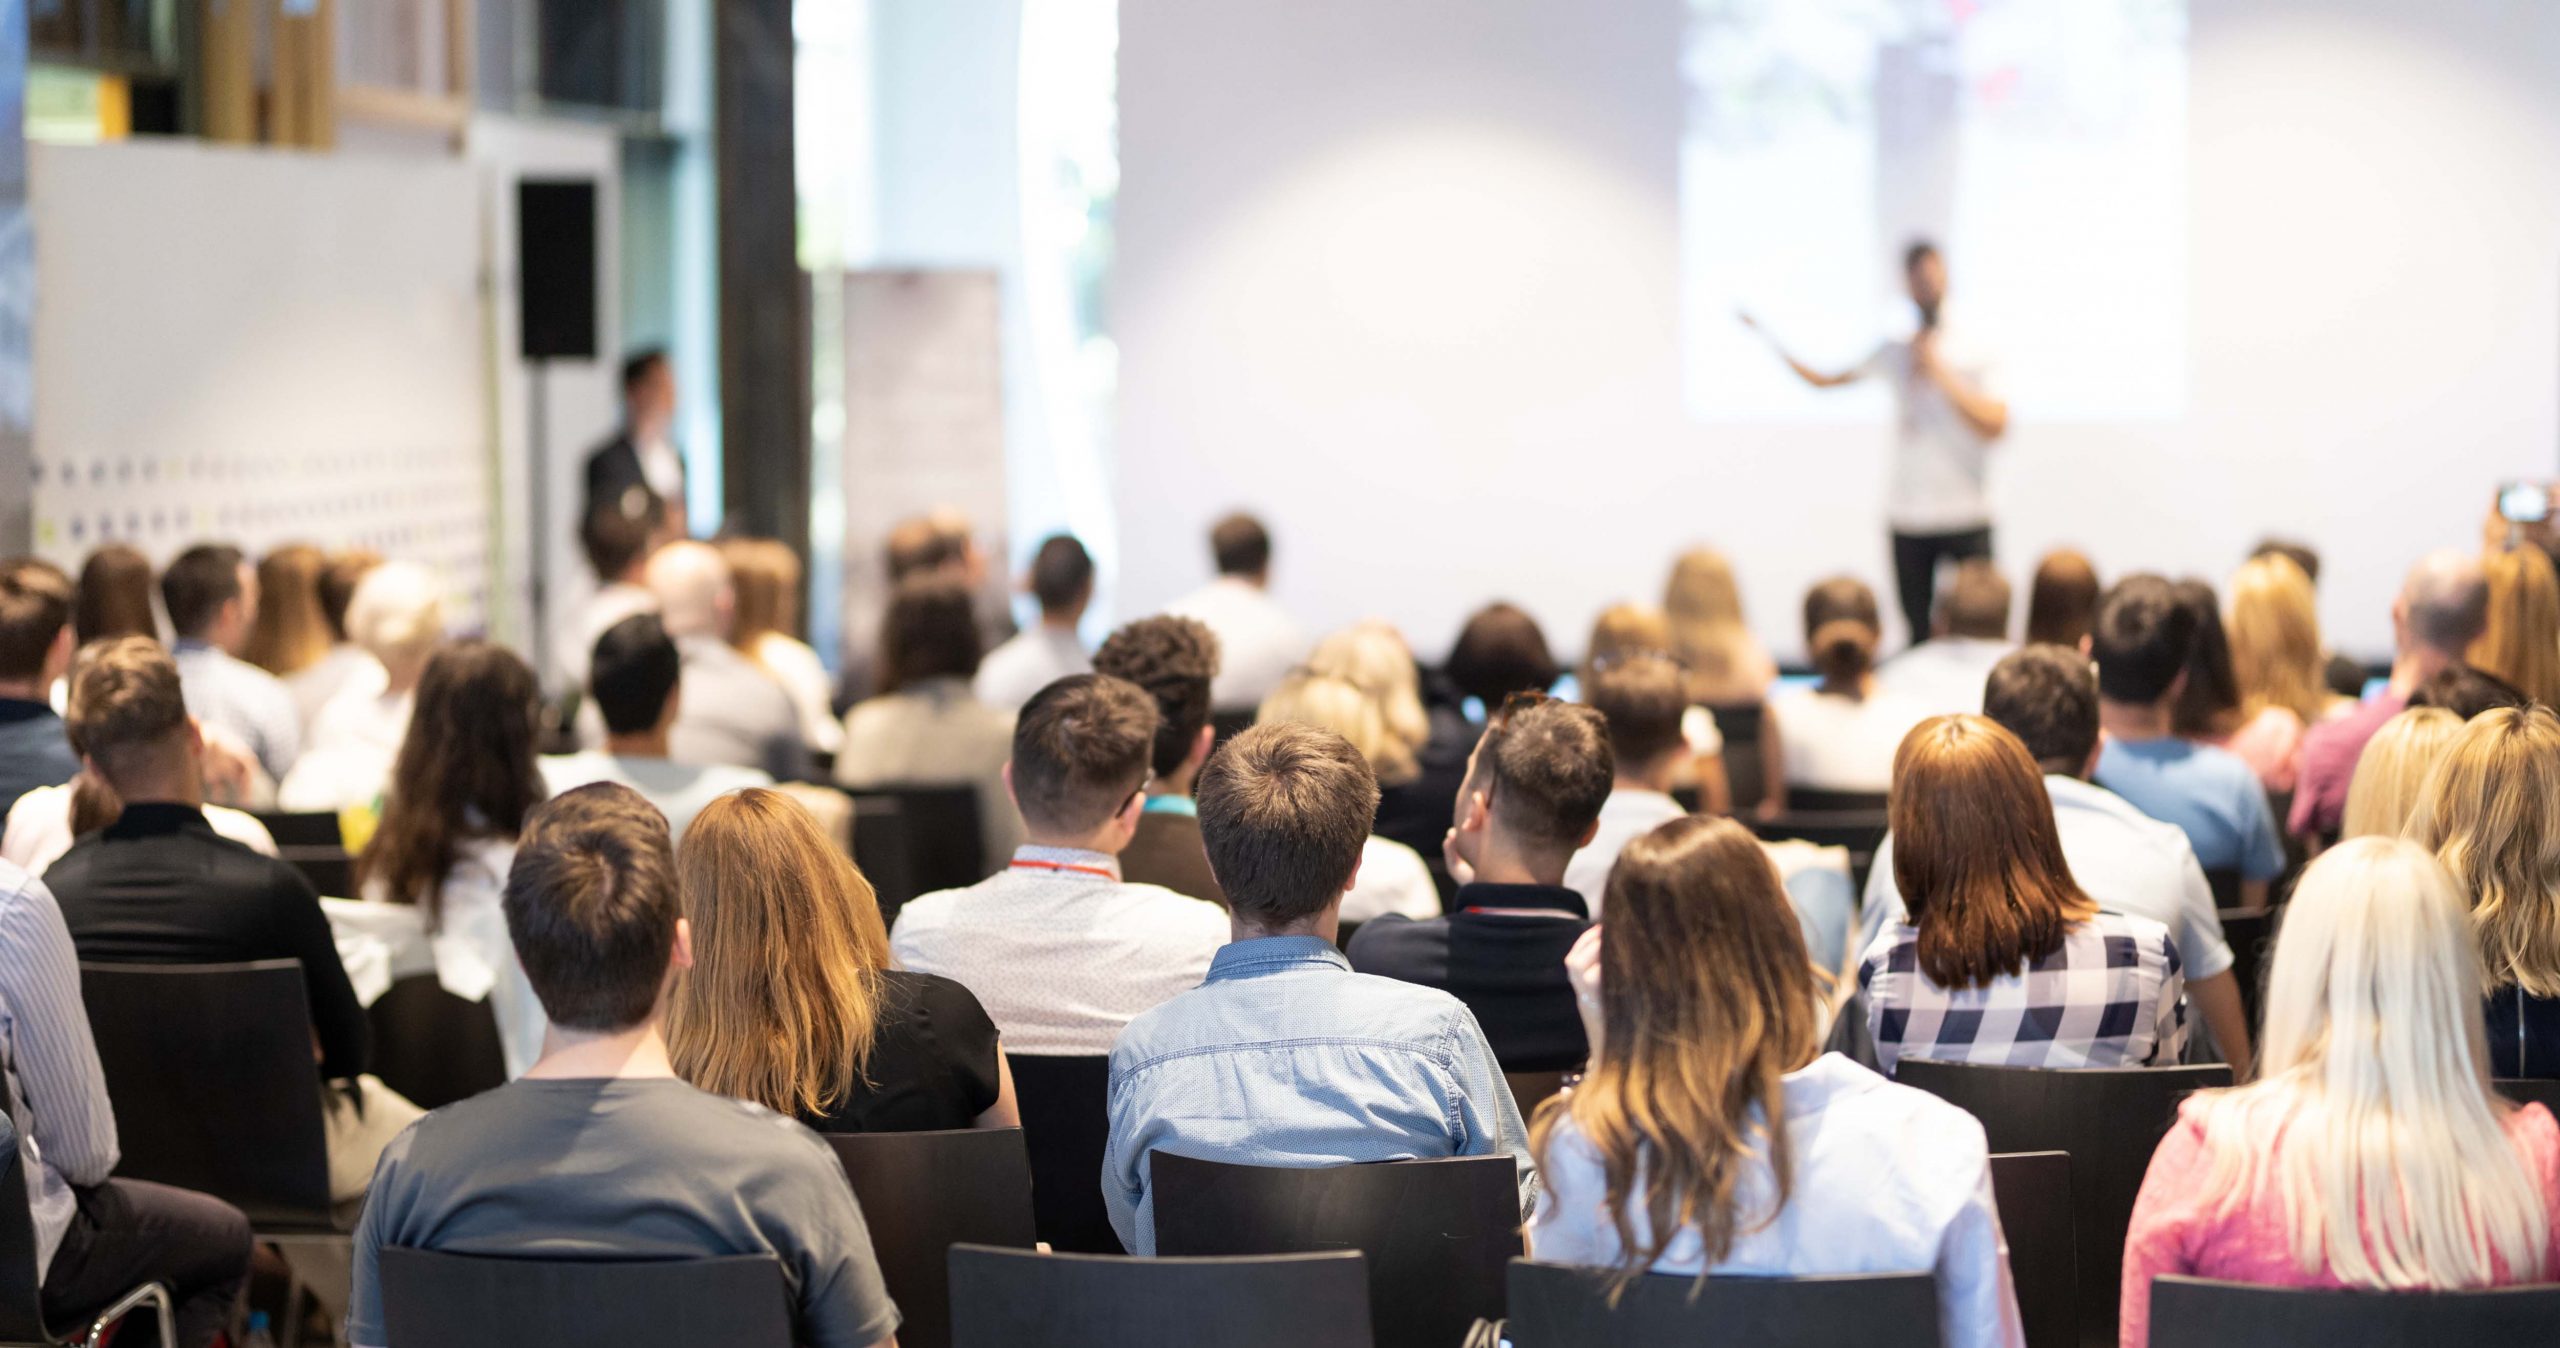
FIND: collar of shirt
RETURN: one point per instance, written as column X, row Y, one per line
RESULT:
column 1522, row 900
column 1170, row 803
column 2079, row 792
column 156, row 818
column 13, row 709
column 1033, row 859
column 1274, row 954
column 188, row 646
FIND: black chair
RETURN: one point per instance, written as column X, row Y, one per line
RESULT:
column 311, row 843
column 1531, row 1089
column 1437, row 1234
column 1743, row 725
column 431, row 1300
column 2200, row 1313
column 921, row 1194
column 1814, row 800
column 1226, row 725
column 2537, row 1091
column 1066, row 1126
column 1562, row 1306
column 433, row 1047
column 944, row 845
column 22, row 1323
column 303, row 828
column 2225, row 885
column 2108, row 1119
column 2251, row 934
column 1020, row 1299
column 2033, row 1191
column 880, row 849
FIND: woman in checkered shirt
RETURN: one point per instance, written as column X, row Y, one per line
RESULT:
column 2003, row 959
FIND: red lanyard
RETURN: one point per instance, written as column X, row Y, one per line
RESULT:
column 1103, row 871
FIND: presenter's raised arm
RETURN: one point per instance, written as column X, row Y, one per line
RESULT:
column 1810, row 375
column 1981, row 409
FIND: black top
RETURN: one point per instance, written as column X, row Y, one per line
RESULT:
column 2524, row 1035
column 1166, row 850
column 159, row 886
column 34, row 750
column 933, row 1061
column 1418, row 813
column 1508, row 968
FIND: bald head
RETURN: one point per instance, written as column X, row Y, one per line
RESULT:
column 2444, row 605
column 692, row 586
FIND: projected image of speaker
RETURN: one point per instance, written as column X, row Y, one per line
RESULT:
column 556, row 268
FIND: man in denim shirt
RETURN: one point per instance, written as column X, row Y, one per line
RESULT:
column 1283, row 1056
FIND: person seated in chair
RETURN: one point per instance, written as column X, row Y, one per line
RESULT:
column 1176, row 661
column 35, row 651
column 636, row 681
column 601, row 1152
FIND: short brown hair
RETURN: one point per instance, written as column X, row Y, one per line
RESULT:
column 198, row 582
column 1499, row 652
column 591, row 903
column 1284, row 813
column 1976, row 853
column 1642, row 698
column 929, row 632
column 125, row 702
column 35, row 605
column 1240, row 545
column 1081, row 749
column 1976, row 602
column 2062, row 600
column 1175, row 660
column 1546, row 767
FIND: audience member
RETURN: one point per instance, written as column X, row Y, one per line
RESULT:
column 1413, row 806
column 2062, row 599
column 345, row 662
column 2145, row 645
column 926, row 728
column 638, row 472
column 1967, row 637
column 1704, row 1024
column 35, row 652
column 738, row 715
column 2274, row 628
column 1501, row 651
column 938, row 543
column 2371, row 1152
column 2344, row 677
column 601, row 1151
column 41, row 826
column 1175, row 660
column 2124, row 860
column 2442, row 608
column 792, row 1002
column 1393, row 877
column 396, row 617
column 96, row 1236
column 2490, row 810
column 1258, row 642
column 456, row 800
column 212, row 598
column 1841, row 734
column 1626, row 632
column 1533, row 795
column 637, row 685
column 1059, row 948
column 2521, row 642
column 1727, row 665
column 1061, row 580
column 2391, row 776
column 114, row 596
column 2207, row 709
column 2467, row 692
column 1623, row 631
column 1284, row 1056
column 2004, row 958
column 765, row 574
column 159, row 886
column 290, row 635
column 617, row 547
column 1641, row 702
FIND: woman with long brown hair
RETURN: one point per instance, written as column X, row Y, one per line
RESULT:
column 2003, row 959
column 1701, row 1009
column 765, row 628
column 791, row 1002
column 114, row 596
column 289, row 634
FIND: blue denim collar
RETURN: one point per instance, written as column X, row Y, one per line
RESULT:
column 1273, row 954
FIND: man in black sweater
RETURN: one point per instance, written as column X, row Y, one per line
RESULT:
column 1532, row 797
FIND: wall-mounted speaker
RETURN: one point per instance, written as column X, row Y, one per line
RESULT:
column 556, row 268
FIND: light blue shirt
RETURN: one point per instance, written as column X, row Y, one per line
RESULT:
column 243, row 700
column 1885, row 1179
column 1284, row 1057
column 1169, row 803
column 2207, row 792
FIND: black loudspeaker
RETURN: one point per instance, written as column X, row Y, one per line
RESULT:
column 556, row 268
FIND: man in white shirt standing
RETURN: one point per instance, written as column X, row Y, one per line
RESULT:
column 1258, row 643
column 1062, row 580
column 1947, row 416
column 1971, row 634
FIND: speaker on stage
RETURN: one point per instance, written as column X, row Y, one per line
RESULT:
column 556, row 268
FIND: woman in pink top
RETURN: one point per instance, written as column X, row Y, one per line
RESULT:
column 2370, row 1152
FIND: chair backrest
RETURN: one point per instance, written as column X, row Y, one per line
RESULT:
column 1743, row 725
column 2251, row 935
column 1066, row 1126
column 1024, row 1299
column 209, row 1068
column 303, row 828
column 944, row 846
column 921, row 1194
column 2545, row 1093
column 2033, row 1191
column 431, row 1299
column 1563, row 1306
column 1531, row 1089
column 1815, row 800
column 1437, row 1233
column 2198, row 1313
column 21, row 1292
column 433, row 1047
column 2225, row 885
column 2108, row 1119
column 880, row 849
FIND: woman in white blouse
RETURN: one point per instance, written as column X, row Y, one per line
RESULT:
column 1704, row 1026
column 396, row 617
column 1841, row 734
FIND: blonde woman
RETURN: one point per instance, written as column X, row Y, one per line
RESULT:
column 2522, row 643
column 2491, row 812
column 1373, row 658
column 396, row 617
column 2371, row 1151
column 2277, row 666
column 765, row 627
column 1393, row 877
column 791, row 1002
column 1703, row 607
column 1414, row 807
column 2392, row 772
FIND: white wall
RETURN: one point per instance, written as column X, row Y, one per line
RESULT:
column 1405, row 278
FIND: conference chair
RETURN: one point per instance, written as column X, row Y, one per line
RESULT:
column 1815, row 800
column 921, row 1194
column 1066, row 1127
column 22, row 1323
column 2251, row 934
column 1436, row 1233
column 880, row 849
column 1532, row 1089
column 1226, row 725
column 433, row 1047
column 939, row 833
column 430, row 1300
column 2201, row 1313
column 311, row 842
column 2108, row 1119
column 1744, row 725
column 1024, row 1299
column 2033, row 1192
column 2225, row 885
column 2534, row 1091
column 1565, row 1306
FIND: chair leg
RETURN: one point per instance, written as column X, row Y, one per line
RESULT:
column 151, row 1294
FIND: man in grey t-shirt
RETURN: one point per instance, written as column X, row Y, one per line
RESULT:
column 600, row 1152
